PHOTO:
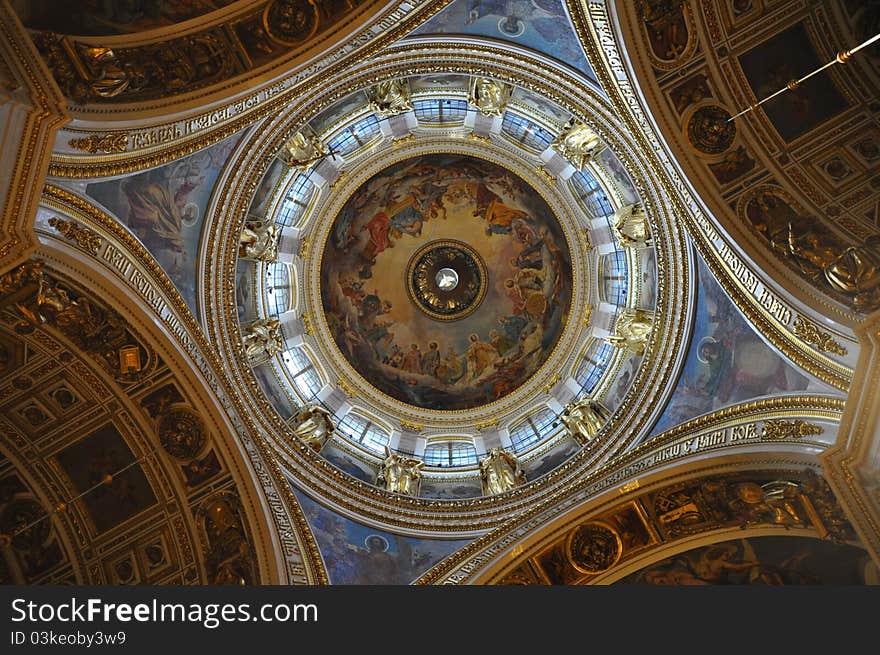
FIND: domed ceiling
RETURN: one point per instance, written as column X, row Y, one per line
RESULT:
column 446, row 281
column 449, row 275
column 444, row 294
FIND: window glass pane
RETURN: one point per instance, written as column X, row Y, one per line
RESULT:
column 296, row 200
column 525, row 132
column 354, row 136
column 593, row 365
column 277, row 288
column 523, row 435
column 593, row 199
column 439, row 111
column 615, row 278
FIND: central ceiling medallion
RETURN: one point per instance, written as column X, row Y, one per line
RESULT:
column 446, row 279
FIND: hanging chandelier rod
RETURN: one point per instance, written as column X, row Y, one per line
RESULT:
column 841, row 58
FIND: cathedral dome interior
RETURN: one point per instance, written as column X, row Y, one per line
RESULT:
column 534, row 293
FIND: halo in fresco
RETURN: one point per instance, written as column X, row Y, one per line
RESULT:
column 397, row 347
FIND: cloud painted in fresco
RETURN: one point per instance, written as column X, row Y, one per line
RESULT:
column 355, row 553
column 165, row 209
column 541, row 25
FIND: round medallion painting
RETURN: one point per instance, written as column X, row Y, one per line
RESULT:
column 446, row 281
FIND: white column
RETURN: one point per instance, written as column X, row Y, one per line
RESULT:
column 288, row 244
column 603, row 319
column 292, row 329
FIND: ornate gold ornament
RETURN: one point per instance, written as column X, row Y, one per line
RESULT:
column 500, row 471
column 412, row 427
column 262, row 340
column 314, row 425
column 302, row 150
column 109, row 143
column 489, row 96
column 259, row 241
column 577, row 143
column 630, row 226
column 593, row 547
column 781, row 429
column 446, row 279
column 809, row 332
column 87, row 239
column 547, row 175
column 400, row 474
column 584, row 418
column 631, row 330
column 181, row 432
column 390, row 98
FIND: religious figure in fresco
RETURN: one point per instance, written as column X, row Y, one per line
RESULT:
column 417, row 357
column 159, row 209
column 500, row 471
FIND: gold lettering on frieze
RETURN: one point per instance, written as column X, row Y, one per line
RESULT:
column 774, row 306
column 743, row 432
column 148, row 292
column 155, row 137
column 118, row 260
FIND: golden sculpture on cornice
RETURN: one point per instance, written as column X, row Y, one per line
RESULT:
column 584, row 418
column 500, row 471
column 390, row 98
column 262, row 340
column 630, row 226
column 259, row 240
column 631, row 330
column 303, row 149
column 489, row 96
column 400, row 474
column 577, row 143
column 313, row 424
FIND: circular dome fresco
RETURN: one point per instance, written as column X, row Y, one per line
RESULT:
column 446, row 281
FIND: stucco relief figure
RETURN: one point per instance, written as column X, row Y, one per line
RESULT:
column 262, row 339
column 577, row 143
column 313, row 424
column 821, row 256
column 851, row 270
column 302, row 149
column 500, row 471
column 400, row 474
column 631, row 331
column 630, row 226
column 489, row 96
column 259, row 240
column 390, row 98
column 584, row 418
column 773, row 502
